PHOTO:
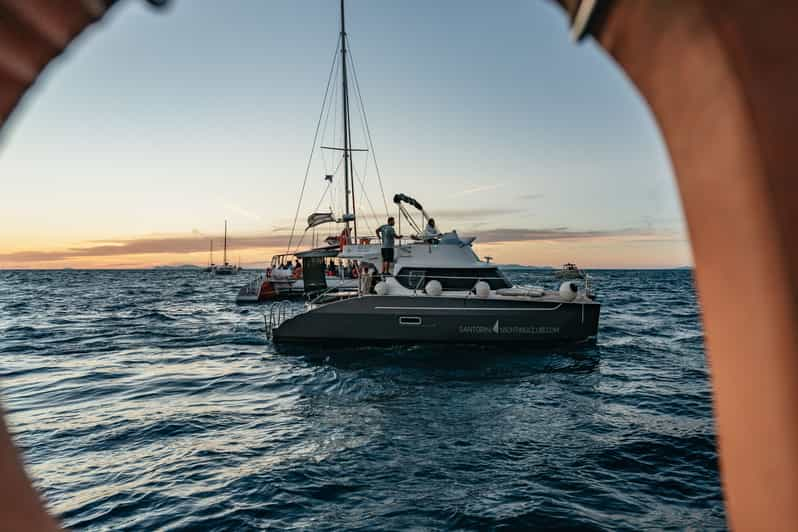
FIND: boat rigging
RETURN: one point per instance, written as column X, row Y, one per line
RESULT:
column 354, row 189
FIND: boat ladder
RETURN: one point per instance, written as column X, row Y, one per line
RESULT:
column 278, row 313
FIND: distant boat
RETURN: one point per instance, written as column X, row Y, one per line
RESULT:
column 277, row 282
column 569, row 271
column 225, row 268
column 211, row 266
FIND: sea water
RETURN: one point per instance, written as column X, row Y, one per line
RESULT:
column 149, row 399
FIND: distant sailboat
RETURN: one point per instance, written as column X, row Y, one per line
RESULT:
column 211, row 266
column 225, row 268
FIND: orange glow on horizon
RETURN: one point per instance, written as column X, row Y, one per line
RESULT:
column 600, row 252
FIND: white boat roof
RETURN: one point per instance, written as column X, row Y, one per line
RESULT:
column 450, row 251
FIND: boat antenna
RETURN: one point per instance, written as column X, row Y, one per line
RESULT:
column 225, row 242
column 349, row 190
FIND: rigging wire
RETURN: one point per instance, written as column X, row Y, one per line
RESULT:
column 363, row 189
column 409, row 218
column 332, row 190
column 371, row 206
column 324, row 194
column 366, row 122
column 330, row 109
column 313, row 147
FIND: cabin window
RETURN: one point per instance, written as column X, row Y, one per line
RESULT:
column 451, row 278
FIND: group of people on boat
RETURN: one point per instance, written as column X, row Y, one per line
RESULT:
column 287, row 269
column 347, row 271
column 387, row 235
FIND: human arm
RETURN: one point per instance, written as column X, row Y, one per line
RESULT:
column 721, row 79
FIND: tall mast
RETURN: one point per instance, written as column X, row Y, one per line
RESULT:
column 348, row 174
column 225, row 242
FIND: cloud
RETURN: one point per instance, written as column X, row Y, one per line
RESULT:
column 471, row 214
column 286, row 228
column 530, row 196
column 565, row 233
column 144, row 246
column 241, row 211
column 482, row 188
column 185, row 244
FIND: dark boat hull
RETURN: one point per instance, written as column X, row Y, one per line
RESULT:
column 412, row 319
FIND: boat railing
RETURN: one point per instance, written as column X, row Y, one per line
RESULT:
column 252, row 287
column 423, row 279
column 331, row 293
column 278, row 313
column 417, row 283
column 315, row 297
column 588, row 285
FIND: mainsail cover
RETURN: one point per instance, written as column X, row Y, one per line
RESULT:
column 318, row 218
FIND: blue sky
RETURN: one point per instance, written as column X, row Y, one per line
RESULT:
column 166, row 123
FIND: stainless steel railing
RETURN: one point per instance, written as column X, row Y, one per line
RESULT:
column 278, row 313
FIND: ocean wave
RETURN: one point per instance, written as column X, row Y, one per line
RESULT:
column 150, row 400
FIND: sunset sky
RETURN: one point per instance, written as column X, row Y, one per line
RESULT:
column 155, row 127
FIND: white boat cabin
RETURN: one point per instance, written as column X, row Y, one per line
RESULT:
column 449, row 259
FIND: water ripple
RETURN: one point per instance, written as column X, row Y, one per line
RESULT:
column 148, row 399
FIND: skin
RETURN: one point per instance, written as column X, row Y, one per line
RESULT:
column 20, row 505
column 721, row 79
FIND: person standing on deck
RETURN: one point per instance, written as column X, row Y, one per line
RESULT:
column 387, row 234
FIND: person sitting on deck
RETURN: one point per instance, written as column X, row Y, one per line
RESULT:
column 298, row 270
column 431, row 233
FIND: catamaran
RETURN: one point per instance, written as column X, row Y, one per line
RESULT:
column 438, row 289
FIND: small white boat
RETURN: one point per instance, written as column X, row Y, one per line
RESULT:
column 569, row 271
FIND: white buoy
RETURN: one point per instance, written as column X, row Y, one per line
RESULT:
column 433, row 288
column 568, row 290
column 482, row 289
column 381, row 288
